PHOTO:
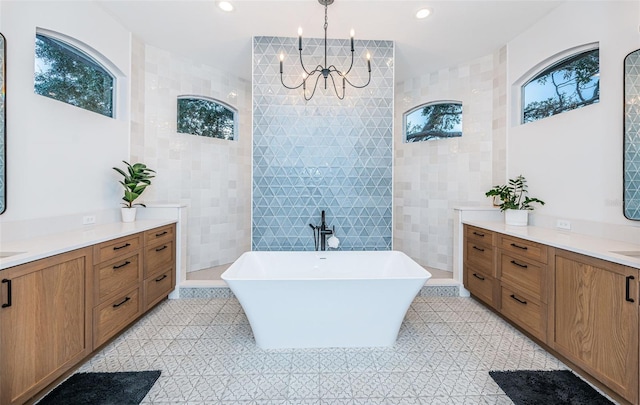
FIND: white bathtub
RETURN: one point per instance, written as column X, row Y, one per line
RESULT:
column 325, row 299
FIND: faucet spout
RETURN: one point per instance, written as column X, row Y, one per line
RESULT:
column 324, row 231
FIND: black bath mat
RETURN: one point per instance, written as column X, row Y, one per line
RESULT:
column 102, row 389
column 547, row 387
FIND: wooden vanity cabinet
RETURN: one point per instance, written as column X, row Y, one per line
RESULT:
column 582, row 308
column 479, row 265
column 54, row 312
column 118, row 274
column 159, row 264
column 45, row 322
column 595, row 319
column 522, row 271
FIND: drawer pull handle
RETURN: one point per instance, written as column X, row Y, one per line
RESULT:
column 161, row 233
column 123, row 301
column 524, row 266
column 159, row 279
column 122, row 265
column 478, row 249
column 628, row 286
column 478, row 234
column 121, row 247
column 161, row 249
column 8, row 283
column 518, row 299
column 478, row 277
column 519, row 247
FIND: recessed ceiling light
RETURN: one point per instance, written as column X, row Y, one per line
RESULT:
column 423, row 13
column 225, row 6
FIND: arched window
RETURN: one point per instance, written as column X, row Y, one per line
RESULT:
column 436, row 120
column 206, row 117
column 570, row 83
column 66, row 73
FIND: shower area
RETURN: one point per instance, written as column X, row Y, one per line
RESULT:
column 324, row 154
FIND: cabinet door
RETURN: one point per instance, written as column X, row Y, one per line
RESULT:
column 45, row 329
column 596, row 319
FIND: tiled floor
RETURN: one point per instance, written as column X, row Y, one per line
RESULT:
column 207, row 355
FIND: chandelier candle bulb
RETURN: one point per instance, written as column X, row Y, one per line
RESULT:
column 353, row 33
column 369, row 61
column 300, row 38
column 281, row 59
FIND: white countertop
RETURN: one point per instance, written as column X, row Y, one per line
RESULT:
column 44, row 246
column 588, row 245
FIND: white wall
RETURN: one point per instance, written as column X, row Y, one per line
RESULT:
column 432, row 177
column 60, row 156
column 573, row 161
column 211, row 176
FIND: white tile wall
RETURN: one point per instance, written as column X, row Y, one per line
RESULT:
column 432, row 177
column 211, row 176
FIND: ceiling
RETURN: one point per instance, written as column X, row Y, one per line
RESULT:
column 456, row 31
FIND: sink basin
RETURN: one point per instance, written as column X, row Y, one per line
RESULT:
column 629, row 253
column 8, row 254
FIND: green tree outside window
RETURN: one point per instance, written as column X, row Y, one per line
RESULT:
column 198, row 116
column 439, row 120
column 67, row 74
column 569, row 84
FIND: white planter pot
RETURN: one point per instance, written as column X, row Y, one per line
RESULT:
column 128, row 214
column 516, row 217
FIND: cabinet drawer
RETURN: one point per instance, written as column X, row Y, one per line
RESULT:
column 478, row 235
column 525, row 274
column 524, row 310
column 158, row 258
column 480, row 256
column 158, row 235
column 116, row 248
column 116, row 275
column 112, row 316
column 157, row 287
column 480, row 285
column 525, row 248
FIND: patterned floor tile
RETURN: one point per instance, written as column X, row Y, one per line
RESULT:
column 335, row 385
column 366, row 385
column 240, row 387
column 304, row 386
column 207, row 354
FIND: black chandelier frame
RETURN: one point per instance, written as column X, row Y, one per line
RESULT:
column 325, row 71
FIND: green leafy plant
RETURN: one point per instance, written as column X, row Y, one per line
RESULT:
column 513, row 196
column 136, row 179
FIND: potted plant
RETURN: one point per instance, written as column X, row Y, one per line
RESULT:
column 514, row 201
column 136, row 179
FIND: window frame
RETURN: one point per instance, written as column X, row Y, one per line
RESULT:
column 212, row 100
column 427, row 104
column 546, row 66
column 92, row 56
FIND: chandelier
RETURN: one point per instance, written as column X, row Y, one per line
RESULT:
column 325, row 71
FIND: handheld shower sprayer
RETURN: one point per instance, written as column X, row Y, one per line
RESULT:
column 316, row 235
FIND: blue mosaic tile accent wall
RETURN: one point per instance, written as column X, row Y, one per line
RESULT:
column 323, row 154
column 632, row 137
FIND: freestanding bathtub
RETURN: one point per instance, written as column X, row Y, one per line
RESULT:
column 325, row 299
